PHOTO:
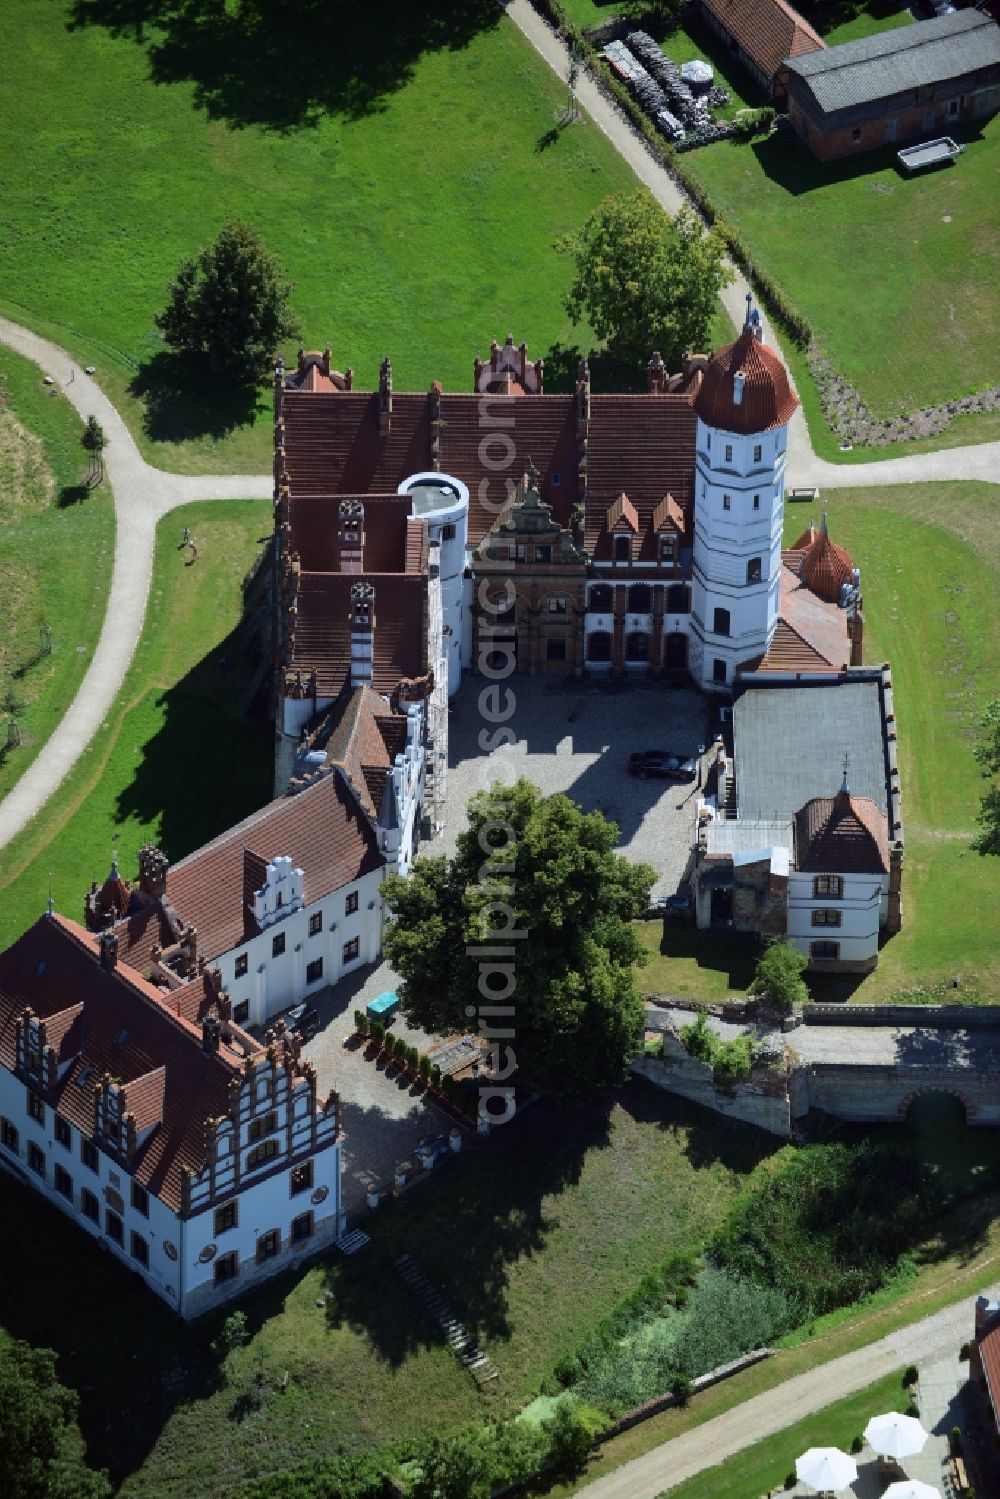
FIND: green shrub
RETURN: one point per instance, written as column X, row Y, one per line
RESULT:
column 571, row 1430
column 378, row 1032
column 857, row 1444
column 361, row 1022
column 399, row 1049
column 424, row 1065
column 682, row 1388
column 831, row 1225
column 909, row 1376
column 435, row 1075
column 964, row 1351
column 412, row 1057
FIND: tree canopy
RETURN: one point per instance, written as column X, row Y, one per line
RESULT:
column 36, row 1419
column 778, row 975
column 987, row 753
column 526, row 932
column 644, row 281
column 230, row 306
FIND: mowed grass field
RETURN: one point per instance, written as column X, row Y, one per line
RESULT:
column 56, row 552
column 897, row 276
column 176, row 761
column 413, row 196
column 930, row 564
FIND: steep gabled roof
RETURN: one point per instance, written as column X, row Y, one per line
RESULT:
column 767, row 30
column 128, row 1029
column 841, row 834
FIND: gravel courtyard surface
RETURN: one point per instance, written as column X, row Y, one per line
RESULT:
column 576, row 737
column 383, row 1117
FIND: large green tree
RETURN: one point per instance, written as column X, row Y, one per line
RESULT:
column 230, row 306
column 987, row 753
column 526, row 935
column 778, row 976
column 36, row 1418
column 644, row 281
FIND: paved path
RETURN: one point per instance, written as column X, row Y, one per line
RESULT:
column 981, row 461
column 142, row 494
column 934, row 1338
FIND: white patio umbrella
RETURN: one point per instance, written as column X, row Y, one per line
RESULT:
column 826, row 1468
column 895, row 1435
column 911, row 1488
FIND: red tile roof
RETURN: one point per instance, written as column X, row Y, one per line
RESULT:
column 767, row 30
column 315, row 529
column 365, row 743
column 539, row 427
column 768, row 399
column 127, row 1029
column 333, row 444
column 623, row 510
column 826, row 567
column 822, row 626
column 841, row 834
column 788, row 651
column 323, row 635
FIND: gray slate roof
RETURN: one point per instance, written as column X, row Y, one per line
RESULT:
column 893, row 62
column 790, row 744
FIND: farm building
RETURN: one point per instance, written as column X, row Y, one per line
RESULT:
column 763, row 34
column 915, row 81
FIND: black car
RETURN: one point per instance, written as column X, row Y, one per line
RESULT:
column 662, row 763
column 303, row 1020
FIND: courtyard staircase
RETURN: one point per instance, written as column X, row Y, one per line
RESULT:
column 351, row 1242
column 465, row 1349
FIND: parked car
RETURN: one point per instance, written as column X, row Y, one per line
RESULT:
column 303, row 1020
column 662, row 763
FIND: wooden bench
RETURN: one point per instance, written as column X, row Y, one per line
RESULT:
column 961, row 1477
column 810, row 492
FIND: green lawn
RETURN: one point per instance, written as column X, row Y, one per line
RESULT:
column 868, row 23
column 410, row 221
column 916, row 259
column 56, row 546
column 584, row 13
column 930, row 563
column 695, row 40
column 761, row 1468
column 176, row 761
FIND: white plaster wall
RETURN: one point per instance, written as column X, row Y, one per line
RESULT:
column 161, row 1226
column 267, row 1205
column 860, row 910
column 274, row 984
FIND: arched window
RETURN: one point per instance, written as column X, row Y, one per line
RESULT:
column 600, row 599
column 599, row 646
column 720, row 622
column 753, row 570
column 557, row 603
column 678, row 599
column 639, row 599
column 623, row 548
column 637, row 646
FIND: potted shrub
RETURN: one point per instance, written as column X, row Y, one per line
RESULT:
column 425, row 1067
column 361, row 1022
column 435, row 1075
column 399, row 1050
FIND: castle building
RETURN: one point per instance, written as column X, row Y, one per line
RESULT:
column 202, row 1160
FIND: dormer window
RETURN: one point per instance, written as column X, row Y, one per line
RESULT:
column 623, row 548
column 668, row 548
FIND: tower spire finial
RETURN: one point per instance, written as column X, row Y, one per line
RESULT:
column 749, row 318
column 845, row 788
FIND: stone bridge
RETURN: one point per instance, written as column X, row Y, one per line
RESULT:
column 863, row 1072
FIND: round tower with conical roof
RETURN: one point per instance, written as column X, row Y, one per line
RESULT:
column 743, row 408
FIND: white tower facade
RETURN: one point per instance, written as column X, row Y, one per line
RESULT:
column 744, row 407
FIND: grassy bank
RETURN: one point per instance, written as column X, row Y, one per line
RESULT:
column 370, row 161
column 56, row 550
column 175, row 761
column 531, row 1237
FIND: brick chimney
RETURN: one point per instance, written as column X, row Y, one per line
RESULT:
column 351, row 536
column 153, row 866
column 210, row 1035
column 108, row 950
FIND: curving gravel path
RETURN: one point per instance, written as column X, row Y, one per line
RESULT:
column 142, row 494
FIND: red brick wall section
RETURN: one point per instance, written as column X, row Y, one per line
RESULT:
column 831, row 144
